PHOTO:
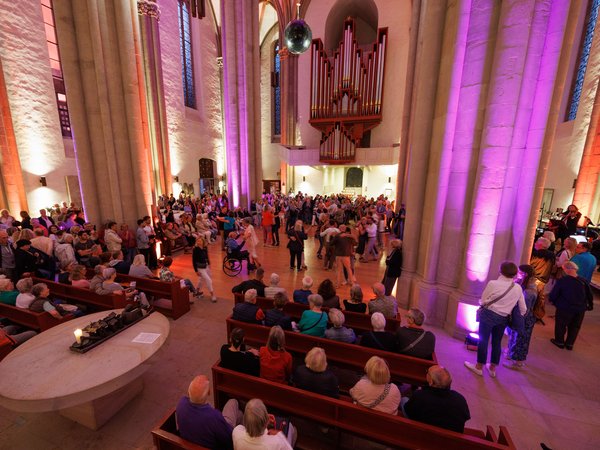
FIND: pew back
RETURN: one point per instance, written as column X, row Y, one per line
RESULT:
column 387, row 429
column 36, row 321
column 85, row 296
column 403, row 368
column 179, row 296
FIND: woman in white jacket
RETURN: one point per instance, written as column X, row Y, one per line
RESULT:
column 111, row 238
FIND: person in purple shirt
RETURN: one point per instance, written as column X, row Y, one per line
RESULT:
column 202, row 424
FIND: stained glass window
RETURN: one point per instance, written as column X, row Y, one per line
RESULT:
column 586, row 47
column 276, row 93
column 187, row 61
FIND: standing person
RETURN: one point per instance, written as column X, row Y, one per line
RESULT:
column 393, row 268
column 129, row 243
column 201, row 265
column 572, row 297
column 7, row 259
column 343, row 246
column 585, row 261
column 111, row 238
column 295, row 245
column 267, row 224
column 149, row 230
column 518, row 343
column 571, row 217
column 371, row 249
column 142, row 240
column 277, row 221
column 497, row 302
column 251, row 242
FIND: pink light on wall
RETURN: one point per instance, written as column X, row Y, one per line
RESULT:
column 466, row 317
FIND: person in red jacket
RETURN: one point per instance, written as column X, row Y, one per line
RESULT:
column 275, row 362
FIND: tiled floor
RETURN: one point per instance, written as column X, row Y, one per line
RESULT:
column 555, row 400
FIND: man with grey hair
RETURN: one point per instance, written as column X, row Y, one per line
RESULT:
column 273, row 287
column 7, row 259
column 412, row 339
column 542, row 259
column 379, row 338
column 437, row 404
column 385, row 304
column 202, row 424
column 301, row 295
column 248, row 311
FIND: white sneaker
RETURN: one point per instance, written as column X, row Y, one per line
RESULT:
column 473, row 368
column 213, row 299
column 492, row 371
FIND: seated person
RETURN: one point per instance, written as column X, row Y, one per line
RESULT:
column 139, row 268
column 273, row 287
column 25, row 296
column 385, row 304
column 234, row 248
column 235, row 357
column 374, row 390
column 254, row 433
column 379, row 338
column 314, row 376
column 117, row 262
column 8, row 294
column 330, row 297
column 15, row 335
column 276, row 316
column 437, row 404
column 301, row 295
column 253, row 283
column 97, row 279
column 200, row 423
column 313, row 321
column 86, row 250
column 249, row 310
column 167, row 276
column 110, row 286
column 275, row 362
column 338, row 332
column 355, row 304
column 42, row 303
column 77, row 277
column 413, row 340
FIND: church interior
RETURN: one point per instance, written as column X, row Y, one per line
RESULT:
column 480, row 119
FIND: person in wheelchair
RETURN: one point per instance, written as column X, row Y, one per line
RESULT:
column 234, row 248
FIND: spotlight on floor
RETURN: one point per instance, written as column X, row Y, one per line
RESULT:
column 471, row 341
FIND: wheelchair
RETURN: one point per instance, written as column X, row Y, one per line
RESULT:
column 233, row 263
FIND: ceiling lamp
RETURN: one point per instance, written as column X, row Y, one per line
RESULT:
column 298, row 35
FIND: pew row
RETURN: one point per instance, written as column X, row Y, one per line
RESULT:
column 84, row 296
column 173, row 300
column 359, row 322
column 36, row 321
column 166, row 436
column 403, row 368
column 395, row 431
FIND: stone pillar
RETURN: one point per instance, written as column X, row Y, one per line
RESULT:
column 289, row 95
column 241, row 75
column 12, row 187
column 99, row 44
column 156, row 123
column 476, row 147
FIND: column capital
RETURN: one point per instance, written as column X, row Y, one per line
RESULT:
column 148, row 8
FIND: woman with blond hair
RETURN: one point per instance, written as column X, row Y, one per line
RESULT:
column 314, row 376
column 253, row 434
column 374, row 390
column 275, row 361
column 139, row 268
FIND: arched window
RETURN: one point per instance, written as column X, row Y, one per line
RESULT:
column 276, row 92
column 584, row 56
column 354, row 177
column 187, row 60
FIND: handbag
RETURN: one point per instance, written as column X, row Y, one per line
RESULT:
column 516, row 321
column 482, row 307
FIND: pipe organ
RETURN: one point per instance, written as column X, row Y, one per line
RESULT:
column 346, row 93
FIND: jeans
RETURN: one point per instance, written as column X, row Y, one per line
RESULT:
column 490, row 324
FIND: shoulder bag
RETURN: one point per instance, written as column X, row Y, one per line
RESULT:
column 414, row 343
column 485, row 306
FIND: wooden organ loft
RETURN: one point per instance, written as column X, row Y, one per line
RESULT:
column 346, row 94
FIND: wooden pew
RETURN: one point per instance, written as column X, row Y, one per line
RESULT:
column 36, row 321
column 179, row 296
column 403, row 368
column 395, row 431
column 166, row 436
column 84, row 296
column 360, row 323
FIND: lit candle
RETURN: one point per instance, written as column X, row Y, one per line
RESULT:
column 78, row 334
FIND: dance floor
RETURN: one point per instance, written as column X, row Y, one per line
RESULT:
column 555, row 400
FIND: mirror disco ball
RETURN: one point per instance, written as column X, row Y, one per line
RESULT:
column 298, row 36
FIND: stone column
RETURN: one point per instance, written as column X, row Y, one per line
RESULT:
column 241, row 75
column 12, row 187
column 288, row 73
column 99, row 56
column 149, row 16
